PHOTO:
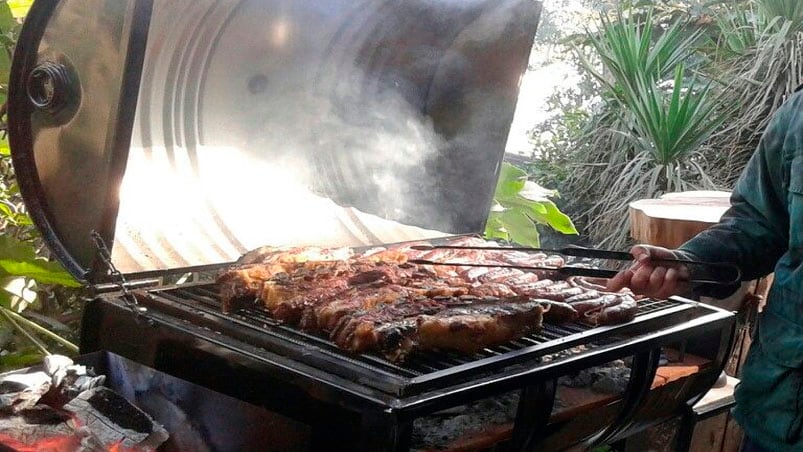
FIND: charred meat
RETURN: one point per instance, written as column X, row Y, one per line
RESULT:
column 379, row 302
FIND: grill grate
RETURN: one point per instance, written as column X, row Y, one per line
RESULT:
column 420, row 372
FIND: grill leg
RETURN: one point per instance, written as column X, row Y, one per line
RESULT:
column 532, row 415
column 642, row 375
column 383, row 431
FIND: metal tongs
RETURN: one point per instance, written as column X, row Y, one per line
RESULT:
column 699, row 272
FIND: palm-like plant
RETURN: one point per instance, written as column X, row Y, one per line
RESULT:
column 758, row 78
column 648, row 142
column 790, row 11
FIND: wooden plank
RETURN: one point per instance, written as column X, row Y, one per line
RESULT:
column 708, row 434
column 733, row 436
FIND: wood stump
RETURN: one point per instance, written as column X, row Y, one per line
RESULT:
column 674, row 218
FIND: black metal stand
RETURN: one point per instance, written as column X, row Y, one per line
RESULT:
column 383, row 431
column 692, row 416
column 532, row 415
column 642, row 375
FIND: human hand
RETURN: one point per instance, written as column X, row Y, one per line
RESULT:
column 645, row 277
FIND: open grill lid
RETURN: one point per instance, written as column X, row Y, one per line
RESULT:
column 187, row 132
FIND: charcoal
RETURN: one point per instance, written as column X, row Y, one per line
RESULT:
column 440, row 429
column 113, row 420
column 23, row 391
column 38, row 428
column 76, row 384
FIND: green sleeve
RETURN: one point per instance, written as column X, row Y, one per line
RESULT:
column 753, row 233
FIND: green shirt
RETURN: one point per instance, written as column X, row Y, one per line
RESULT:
column 762, row 232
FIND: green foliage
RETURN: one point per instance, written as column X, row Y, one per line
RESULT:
column 645, row 138
column 789, row 11
column 519, row 206
column 11, row 11
column 629, row 52
column 18, row 258
column 737, row 30
column 30, row 283
column 19, row 8
column 757, row 79
column 683, row 91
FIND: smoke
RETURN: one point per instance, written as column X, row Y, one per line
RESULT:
column 304, row 122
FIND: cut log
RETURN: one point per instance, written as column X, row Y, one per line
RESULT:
column 675, row 217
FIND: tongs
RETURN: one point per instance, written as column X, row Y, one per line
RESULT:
column 699, row 272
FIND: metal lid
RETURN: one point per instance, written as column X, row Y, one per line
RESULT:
column 188, row 132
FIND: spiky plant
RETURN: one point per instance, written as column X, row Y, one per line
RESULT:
column 654, row 119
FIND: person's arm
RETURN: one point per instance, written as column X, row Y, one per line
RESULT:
column 753, row 233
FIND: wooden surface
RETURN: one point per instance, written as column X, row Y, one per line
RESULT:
column 584, row 404
column 675, row 369
column 676, row 217
column 718, row 433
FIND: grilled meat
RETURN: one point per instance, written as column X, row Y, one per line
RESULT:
column 397, row 330
column 387, row 328
column 621, row 309
column 241, row 285
column 323, row 317
column 270, row 255
column 472, row 328
column 558, row 312
column 497, row 290
column 378, row 302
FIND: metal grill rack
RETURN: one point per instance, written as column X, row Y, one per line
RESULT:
column 424, row 371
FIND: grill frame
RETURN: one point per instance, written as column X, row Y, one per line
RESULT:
column 647, row 330
column 176, row 338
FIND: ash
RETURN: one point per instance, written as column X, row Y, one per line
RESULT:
column 609, row 378
column 440, row 429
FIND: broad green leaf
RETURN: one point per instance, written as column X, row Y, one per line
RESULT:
column 13, row 249
column 521, row 229
column 6, row 211
column 7, row 20
column 40, row 270
column 494, row 228
column 555, row 219
column 19, row 259
column 535, row 192
column 23, row 219
column 520, row 203
column 511, row 181
column 5, row 66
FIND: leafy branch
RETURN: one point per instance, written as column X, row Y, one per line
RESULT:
column 520, row 205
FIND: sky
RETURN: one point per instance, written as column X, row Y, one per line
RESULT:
column 548, row 71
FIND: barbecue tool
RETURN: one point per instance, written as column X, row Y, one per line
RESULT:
column 700, row 272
